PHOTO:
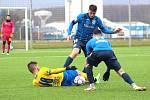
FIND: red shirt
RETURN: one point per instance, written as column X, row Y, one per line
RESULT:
column 7, row 28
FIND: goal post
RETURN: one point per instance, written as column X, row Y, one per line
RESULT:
column 25, row 21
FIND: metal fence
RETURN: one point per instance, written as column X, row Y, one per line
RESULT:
column 46, row 18
column 132, row 14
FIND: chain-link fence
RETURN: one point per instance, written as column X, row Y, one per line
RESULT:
column 46, row 18
column 135, row 11
column 17, row 11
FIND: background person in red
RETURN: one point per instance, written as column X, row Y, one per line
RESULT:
column 7, row 31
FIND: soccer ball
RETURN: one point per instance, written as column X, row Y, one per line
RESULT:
column 79, row 80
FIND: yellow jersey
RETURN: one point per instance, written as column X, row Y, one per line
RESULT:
column 44, row 78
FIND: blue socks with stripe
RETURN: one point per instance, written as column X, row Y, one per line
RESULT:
column 68, row 61
column 127, row 78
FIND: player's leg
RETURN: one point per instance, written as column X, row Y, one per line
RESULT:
column 4, row 43
column 3, row 47
column 74, row 53
column 114, row 64
column 96, row 79
column 8, row 48
column 83, row 47
column 128, row 79
column 91, row 61
column 89, row 71
column 106, row 75
column 85, row 54
column 106, row 54
column 125, row 76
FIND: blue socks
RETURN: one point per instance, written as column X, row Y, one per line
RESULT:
column 89, row 72
column 127, row 78
column 68, row 61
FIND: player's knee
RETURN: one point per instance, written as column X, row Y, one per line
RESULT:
column 75, row 52
column 120, row 71
column 4, row 42
column 9, row 43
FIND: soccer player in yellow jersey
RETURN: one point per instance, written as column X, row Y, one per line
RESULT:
column 45, row 77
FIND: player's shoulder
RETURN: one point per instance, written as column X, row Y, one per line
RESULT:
column 91, row 41
column 4, row 22
column 97, row 18
column 44, row 69
column 81, row 15
column 35, row 83
column 12, row 22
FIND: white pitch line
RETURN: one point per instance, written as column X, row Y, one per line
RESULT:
column 41, row 51
column 35, row 57
column 66, row 56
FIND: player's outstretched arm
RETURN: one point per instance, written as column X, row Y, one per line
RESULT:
column 73, row 22
column 117, row 30
column 2, row 28
column 57, row 70
column 103, row 28
column 69, row 30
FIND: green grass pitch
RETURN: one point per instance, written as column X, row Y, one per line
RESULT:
column 16, row 81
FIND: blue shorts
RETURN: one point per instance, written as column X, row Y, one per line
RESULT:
column 107, row 56
column 69, row 76
column 81, row 45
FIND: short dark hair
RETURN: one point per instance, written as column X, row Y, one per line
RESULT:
column 93, row 8
column 8, row 15
column 31, row 66
column 97, row 31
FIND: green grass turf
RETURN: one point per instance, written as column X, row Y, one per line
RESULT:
column 55, row 44
column 16, row 81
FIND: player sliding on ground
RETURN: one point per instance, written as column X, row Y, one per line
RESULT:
column 45, row 77
column 98, row 50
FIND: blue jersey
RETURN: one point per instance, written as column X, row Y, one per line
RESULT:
column 86, row 26
column 69, row 76
column 98, row 43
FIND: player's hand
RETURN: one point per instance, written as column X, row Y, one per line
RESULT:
column 1, row 35
column 106, row 76
column 69, row 37
column 117, row 30
column 71, row 68
column 11, row 35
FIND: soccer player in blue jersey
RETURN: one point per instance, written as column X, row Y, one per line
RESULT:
column 99, row 49
column 87, row 22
